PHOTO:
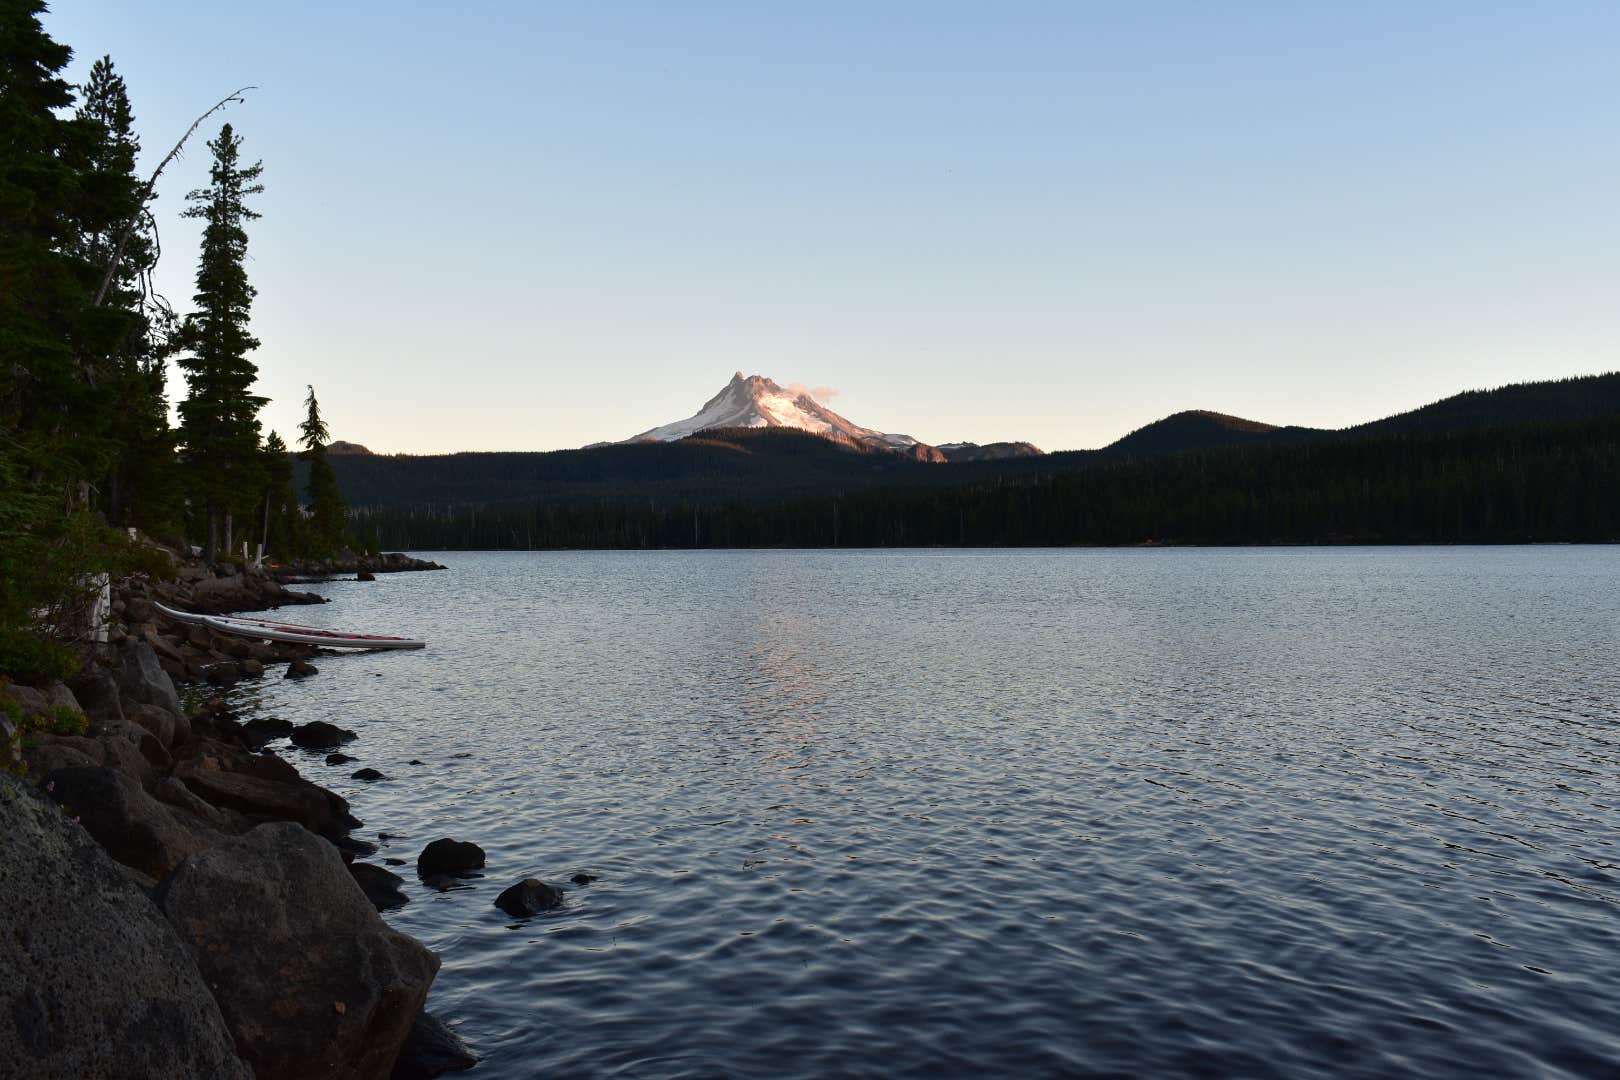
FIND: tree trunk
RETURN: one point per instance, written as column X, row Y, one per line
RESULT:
column 213, row 526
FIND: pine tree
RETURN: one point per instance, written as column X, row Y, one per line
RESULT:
column 283, row 528
column 55, row 393
column 219, row 423
column 142, row 486
column 49, row 362
column 328, row 516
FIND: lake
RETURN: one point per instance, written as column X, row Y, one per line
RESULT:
column 1178, row 812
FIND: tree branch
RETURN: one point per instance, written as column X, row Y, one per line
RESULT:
column 146, row 192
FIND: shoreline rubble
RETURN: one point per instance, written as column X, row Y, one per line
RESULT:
column 224, row 881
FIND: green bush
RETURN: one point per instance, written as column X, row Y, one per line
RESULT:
column 58, row 720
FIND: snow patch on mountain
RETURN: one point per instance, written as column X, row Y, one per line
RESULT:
column 755, row 401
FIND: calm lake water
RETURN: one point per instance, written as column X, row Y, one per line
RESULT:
column 1292, row 813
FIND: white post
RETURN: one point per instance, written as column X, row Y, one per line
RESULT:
column 99, row 610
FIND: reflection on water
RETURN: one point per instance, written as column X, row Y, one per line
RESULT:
column 1243, row 812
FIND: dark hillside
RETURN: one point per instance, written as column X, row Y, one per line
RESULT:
column 1191, row 430
column 737, row 463
column 1519, row 484
column 1581, row 398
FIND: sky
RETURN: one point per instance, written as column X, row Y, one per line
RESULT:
column 531, row 226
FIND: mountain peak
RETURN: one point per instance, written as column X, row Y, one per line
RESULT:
column 753, row 401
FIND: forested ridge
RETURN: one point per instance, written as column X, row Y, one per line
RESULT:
column 771, row 466
column 1519, row 483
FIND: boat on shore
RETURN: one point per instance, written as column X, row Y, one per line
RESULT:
column 271, row 630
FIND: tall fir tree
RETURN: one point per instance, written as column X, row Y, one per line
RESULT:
column 219, row 423
column 328, row 516
column 56, row 403
column 52, row 390
column 283, row 522
column 141, row 487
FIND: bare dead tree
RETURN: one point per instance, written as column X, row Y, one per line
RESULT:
column 151, row 185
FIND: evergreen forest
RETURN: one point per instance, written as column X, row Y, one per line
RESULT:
column 88, row 454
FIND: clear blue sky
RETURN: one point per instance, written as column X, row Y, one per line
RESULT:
column 537, row 225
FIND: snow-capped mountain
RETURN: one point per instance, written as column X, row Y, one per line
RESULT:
column 755, row 401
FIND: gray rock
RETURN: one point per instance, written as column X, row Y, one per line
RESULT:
column 220, row 593
column 266, row 729
column 382, row 887
column 158, row 720
column 93, row 980
column 300, row 669
column 97, row 691
column 213, row 754
column 58, row 696
column 32, row 702
column 47, row 753
column 174, row 793
column 152, row 749
column 129, row 824
column 369, row 775
column 431, row 1050
column 447, row 856
column 142, row 679
column 262, row 799
column 352, row 849
column 529, row 897
column 312, row 983
column 319, row 735
column 125, row 756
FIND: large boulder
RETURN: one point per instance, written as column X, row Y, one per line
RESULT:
column 93, row 980
column 312, row 983
column 267, row 800
column 142, row 679
column 219, row 755
column 129, row 824
column 47, row 753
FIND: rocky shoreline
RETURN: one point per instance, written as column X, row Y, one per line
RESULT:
column 179, row 900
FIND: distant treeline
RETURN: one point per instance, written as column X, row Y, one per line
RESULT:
column 1515, row 484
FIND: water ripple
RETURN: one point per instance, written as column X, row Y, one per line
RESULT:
column 1257, row 813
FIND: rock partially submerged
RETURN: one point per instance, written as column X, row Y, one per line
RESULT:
column 448, row 857
column 300, row 669
column 529, row 897
column 310, row 980
column 319, row 735
column 382, row 887
column 93, row 980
